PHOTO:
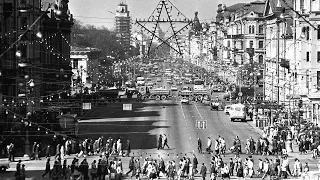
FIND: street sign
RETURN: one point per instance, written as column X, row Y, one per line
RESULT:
column 86, row 106
column 127, row 107
column 240, row 94
column 201, row 124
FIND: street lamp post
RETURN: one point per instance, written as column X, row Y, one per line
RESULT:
column 29, row 84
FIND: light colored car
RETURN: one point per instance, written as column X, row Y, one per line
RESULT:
column 227, row 109
column 159, row 80
column 238, row 111
column 185, row 100
column 4, row 165
column 174, row 88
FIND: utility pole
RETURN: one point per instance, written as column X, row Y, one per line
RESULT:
column 278, row 59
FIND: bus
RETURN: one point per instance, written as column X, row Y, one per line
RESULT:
column 198, row 84
column 140, row 81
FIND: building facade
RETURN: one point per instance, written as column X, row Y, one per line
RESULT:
column 241, row 43
column 35, row 52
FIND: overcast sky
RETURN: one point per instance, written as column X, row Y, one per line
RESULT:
column 99, row 12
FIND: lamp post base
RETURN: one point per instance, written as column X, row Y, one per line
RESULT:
column 26, row 156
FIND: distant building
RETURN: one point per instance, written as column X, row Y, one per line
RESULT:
column 85, row 68
column 123, row 25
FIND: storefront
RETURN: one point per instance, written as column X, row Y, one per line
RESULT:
column 314, row 107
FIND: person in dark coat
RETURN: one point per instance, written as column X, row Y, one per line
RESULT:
column 128, row 148
column 73, row 163
column 203, row 171
column 160, row 142
column 18, row 170
column 85, row 169
column 195, row 164
column 58, row 150
column 48, row 151
column 199, row 146
column 131, row 166
column 33, row 151
column 47, row 169
column 99, row 169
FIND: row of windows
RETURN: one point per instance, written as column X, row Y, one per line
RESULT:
column 308, row 56
column 260, row 44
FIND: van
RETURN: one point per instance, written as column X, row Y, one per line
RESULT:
column 140, row 81
column 237, row 111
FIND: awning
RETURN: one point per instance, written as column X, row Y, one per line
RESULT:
column 293, row 96
column 314, row 96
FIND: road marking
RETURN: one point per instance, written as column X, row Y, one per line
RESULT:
column 198, row 111
column 182, row 112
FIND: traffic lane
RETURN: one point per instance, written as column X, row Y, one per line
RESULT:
column 136, row 128
column 221, row 124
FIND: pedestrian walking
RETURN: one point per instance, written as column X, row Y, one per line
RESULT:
column 203, row 171
column 57, row 151
column 64, row 170
column 33, row 149
column 231, row 166
column 209, row 144
column 23, row 172
column 266, row 168
column 131, row 166
column 18, row 171
column 128, row 147
column 195, row 164
column 199, row 145
column 47, row 169
column 160, row 142
column 48, row 151
column 36, row 152
column 225, row 171
column 11, row 152
column 62, row 152
column 165, row 141
column 84, row 168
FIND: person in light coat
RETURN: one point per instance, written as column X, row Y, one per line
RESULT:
column 62, row 152
column 297, row 168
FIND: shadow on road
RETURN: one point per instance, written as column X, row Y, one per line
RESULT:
column 115, row 110
column 138, row 132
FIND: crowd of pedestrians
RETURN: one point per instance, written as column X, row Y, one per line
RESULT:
column 273, row 145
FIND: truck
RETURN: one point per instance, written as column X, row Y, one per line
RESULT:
column 159, row 94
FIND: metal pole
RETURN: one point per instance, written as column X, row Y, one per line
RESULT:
column 278, row 59
column 27, row 143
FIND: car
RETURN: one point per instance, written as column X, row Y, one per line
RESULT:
column 227, row 109
column 4, row 165
column 179, row 83
column 174, row 88
column 159, row 80
column 185, row 100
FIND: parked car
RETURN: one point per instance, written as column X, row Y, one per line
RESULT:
column 174, row 88
column 4, row 165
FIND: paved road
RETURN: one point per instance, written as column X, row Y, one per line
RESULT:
column 147, row 120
